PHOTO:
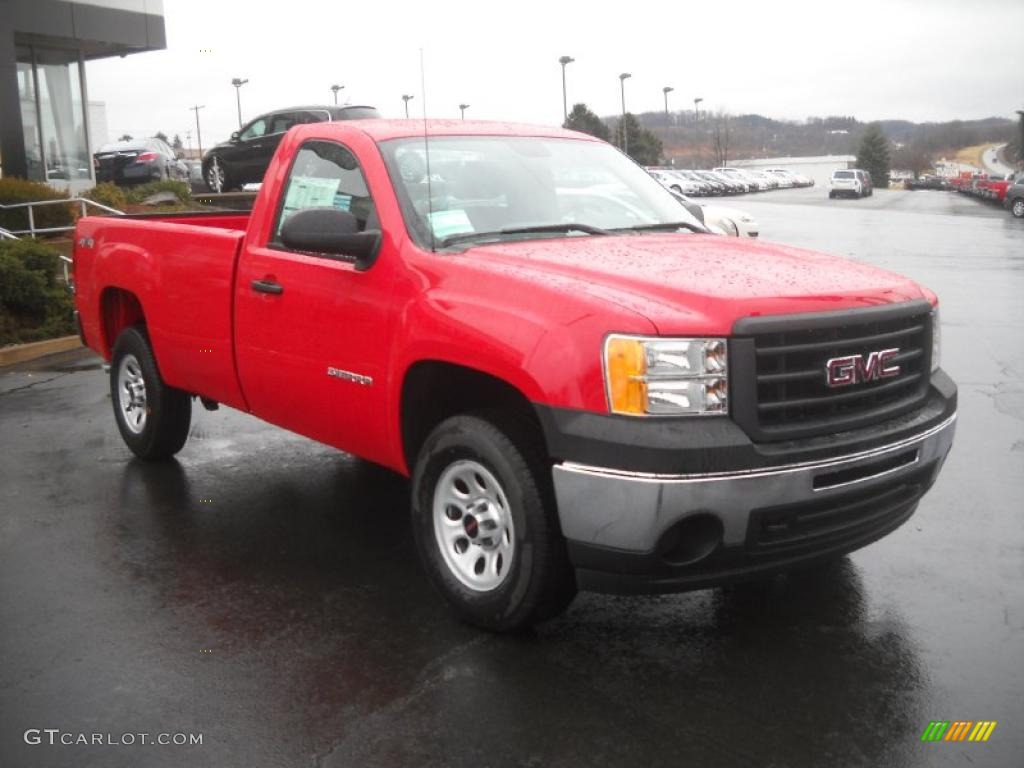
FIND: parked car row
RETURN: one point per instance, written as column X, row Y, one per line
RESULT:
column 982, row 185
column 727, row 181
column 926, row 182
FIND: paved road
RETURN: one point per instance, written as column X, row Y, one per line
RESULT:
column 263, row 590
column 990, row 158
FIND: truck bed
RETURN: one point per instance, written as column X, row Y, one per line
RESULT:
column 182, row 267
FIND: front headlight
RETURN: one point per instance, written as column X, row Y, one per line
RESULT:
column 936, row 339
column 666, row 377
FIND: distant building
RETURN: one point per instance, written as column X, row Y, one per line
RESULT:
column 817, row 168
column 47, row 133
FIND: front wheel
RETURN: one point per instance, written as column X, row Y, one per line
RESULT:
column 216, row 175
column 485, row 525
column 1017, row 209
column 152, row 417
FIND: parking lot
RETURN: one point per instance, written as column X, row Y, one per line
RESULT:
column 263, row 590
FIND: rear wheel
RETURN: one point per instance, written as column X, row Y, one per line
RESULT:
column 1017, row 209
column 152, row 417
column 485, row 524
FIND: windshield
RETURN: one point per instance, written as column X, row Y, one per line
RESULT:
column 513, row 187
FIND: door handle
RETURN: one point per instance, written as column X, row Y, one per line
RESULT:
column 267, row 286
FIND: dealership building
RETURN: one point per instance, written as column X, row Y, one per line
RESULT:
column 47, row 123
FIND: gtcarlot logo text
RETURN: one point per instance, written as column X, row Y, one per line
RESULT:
column 55, row 736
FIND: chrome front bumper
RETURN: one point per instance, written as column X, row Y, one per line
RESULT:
column 629, row 511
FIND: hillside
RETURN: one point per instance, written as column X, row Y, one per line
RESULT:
column 745, row 136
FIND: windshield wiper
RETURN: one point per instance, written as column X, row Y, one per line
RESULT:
column 666, row 225
column 539, row 228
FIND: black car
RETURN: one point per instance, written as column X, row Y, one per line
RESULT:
column 244, row 158
column 137, row 161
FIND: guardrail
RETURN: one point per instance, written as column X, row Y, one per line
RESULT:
column 33, row 230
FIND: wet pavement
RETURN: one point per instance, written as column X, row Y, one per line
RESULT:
column 263, row 590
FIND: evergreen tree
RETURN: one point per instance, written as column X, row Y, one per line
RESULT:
column 642, row 145
column 162, row 136
column 176, row 144
column 583, row 120
column 125, row 137
column 873, row 155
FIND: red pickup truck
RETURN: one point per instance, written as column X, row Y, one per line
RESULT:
column 587, row 389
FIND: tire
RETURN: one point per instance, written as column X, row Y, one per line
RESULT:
column 1017, row 208
column 475, row 475
column 677, row 189
column 152, row 417
column 216, row 175
column 831, row 195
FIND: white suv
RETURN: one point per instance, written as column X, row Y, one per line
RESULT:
column 845, row 183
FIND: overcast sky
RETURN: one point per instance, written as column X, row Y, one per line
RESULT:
column 914, row 59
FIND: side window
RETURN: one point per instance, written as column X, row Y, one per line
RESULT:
column 326, row 175
column 254, row 130
column 281, row 123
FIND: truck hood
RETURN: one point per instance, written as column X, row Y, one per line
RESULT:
column 690, row 283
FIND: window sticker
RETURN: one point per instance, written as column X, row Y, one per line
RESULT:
column 309, row 192
column 445, row 223
column 343, row 202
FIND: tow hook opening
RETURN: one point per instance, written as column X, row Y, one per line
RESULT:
column 691, row 540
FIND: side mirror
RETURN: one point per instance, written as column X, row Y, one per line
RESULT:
column 234, row 137
column 332, row 233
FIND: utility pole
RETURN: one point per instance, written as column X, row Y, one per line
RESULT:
column 407, row 97
column 462, row 109
column 199, row 135
column 335, row 88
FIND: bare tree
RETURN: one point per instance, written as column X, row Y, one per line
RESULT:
column 720, row 136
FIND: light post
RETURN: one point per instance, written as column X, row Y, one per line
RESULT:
column 335, row 88
column 462, row 109
column 696, row 109
column 407, row 97
column 238, row 83
column 563, row 60
column 667, row 90
column 622, row 87
column 199, row 135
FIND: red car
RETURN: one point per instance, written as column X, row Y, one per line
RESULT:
column 587, row 390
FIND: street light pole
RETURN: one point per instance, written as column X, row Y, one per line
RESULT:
column 667, row 90
column 622, row 87
column 336, row 88
column 696, row 109
column 563, row 60
column 462, row 109
column 406, row 97
column 199, row 135
column 238, row 83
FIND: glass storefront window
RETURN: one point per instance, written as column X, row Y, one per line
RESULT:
column 63, row 117
column 29, row 116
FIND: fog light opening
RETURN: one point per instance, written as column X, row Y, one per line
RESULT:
column 691, row 540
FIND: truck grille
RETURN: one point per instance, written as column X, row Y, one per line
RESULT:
column 779, row 370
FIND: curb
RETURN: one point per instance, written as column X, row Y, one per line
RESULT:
column 21, row 353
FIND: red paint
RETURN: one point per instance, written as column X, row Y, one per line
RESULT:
column 533, row 314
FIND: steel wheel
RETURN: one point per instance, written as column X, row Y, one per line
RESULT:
column 473, row 525
column 131, row 387
column 215, row 176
